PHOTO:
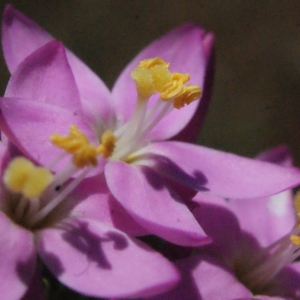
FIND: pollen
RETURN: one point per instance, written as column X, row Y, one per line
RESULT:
column 181, row 77
column 144, row 82
column 295, row 239
column 22, row 176
column 108, row 142
column 171, row 90
column 297, row 204
column 189, row 94
column 76, row 143
column 153, row 76
column 151, row 62
column 161, row 76
column 150, row 76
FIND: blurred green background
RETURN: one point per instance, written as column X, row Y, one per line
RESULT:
column 257, row 84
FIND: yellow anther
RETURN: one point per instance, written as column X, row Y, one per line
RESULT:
column 22, row 176
column 37, row 181
column 171, row 90
column 161, row 76
column 108, row 142
column 295, row 239
column 297, row 203
column 189, row 94
column 71, row 143
column 151, row 62
column 152, row 75
column 77, row 143
column 144, row 82
column 181, row 77
column 17, row 173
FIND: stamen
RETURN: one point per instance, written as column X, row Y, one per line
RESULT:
column 144, row 83
column 21, row 176
column 151, row 62
column 36, row 183
column 171, row 90
column 150, row 76
column 295, row 239
column 76, row 143
column 189, row 94
column 182, row 94
column 17, row 173
column 181, row 77
column 108, row 142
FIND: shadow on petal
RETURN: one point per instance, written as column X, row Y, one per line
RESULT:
column 52, row 260
column 166, row 167
column 89, row 243
column 24, row 269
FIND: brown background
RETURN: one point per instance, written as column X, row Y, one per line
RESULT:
column 255, row 103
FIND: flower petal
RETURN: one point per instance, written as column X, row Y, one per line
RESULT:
column 29, row 124
column 220, row 173
column 191, row 131
column 280, row 155
column 268, row 219
column 146, row 197
column 92, row 199
column 18, row 259
column 183, row 48
column 97, row 260
column 21, row 36
column 214, row 280
column 45, row 76
column 219, row 223
column 205, row 278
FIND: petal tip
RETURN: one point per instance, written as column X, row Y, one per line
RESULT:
column 10, row 14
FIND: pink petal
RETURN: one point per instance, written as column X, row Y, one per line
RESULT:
column 219, row 223
column 220, row 173
column 21, row 36
column 267, row 219
column 214, row 280
column 191, row 131
column 183, row 48
column 45, row 76
column 95, row 97
column 205, row 278
column 97, row 260
column 276, row 213
column 280, row 155
column 29, row 124
column 18, row 259
column 92, row 199
column 146, row 197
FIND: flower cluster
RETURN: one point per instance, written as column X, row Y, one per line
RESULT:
column 87, row 174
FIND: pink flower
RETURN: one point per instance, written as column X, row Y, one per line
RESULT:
column 252, row 256
column 51, row 89
column 87, row 255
